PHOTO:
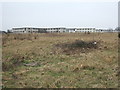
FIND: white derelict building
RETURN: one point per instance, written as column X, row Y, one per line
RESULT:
column 27, row 30
column 51, row 30
column 85, row 30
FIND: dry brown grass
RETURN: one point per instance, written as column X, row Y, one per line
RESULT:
column 63, row 65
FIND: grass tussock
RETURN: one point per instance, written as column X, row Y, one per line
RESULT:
column 12, row 62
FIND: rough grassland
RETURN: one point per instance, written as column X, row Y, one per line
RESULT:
column 52, row 61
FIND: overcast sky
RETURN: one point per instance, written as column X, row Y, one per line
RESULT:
column 59, row 14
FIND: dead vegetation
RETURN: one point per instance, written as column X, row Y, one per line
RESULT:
column 78, row 46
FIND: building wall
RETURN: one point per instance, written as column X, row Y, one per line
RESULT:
column 25, row 30
column 70, row 30
column 18, row 30
column 62, row 30
column 85, row 30
column 50, row 30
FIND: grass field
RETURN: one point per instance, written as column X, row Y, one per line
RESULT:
column 60, row 60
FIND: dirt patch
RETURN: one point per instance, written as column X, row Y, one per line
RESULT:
column 78, row 46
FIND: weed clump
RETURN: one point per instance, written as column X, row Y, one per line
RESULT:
column 12, row 62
